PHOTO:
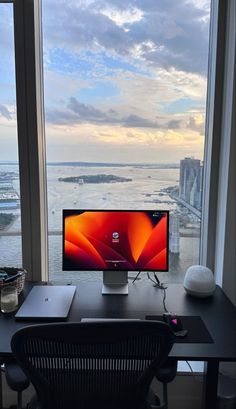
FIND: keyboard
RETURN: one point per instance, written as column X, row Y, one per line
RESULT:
column 108, row 319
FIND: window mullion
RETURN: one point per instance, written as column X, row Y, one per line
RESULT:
column 31, row 137
column 213, row 133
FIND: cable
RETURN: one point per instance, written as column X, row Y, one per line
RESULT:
column 164, row 299
column 191, row 369
column 148, row 275
column 156, row 282
column 197, row 378
column 136, row 277
column 160, row 286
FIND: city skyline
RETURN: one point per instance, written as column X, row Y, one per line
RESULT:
column 121, row 80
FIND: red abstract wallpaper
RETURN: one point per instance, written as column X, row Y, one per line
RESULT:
column 115, row 240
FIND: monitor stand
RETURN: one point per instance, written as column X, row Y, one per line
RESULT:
column 115, row 282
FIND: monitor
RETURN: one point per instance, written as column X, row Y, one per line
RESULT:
column 115, row 242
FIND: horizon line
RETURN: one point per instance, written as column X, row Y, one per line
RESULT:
column 95, row 163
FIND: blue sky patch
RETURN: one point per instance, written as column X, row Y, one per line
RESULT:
column 119, row 64
column 67, row 63
column 88, row 64
column 180, row 105
column 100, row 90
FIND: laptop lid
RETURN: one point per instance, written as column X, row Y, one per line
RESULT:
column 47, row 302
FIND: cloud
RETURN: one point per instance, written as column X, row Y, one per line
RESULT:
column 174, row 124
column 135, row 121
column 61, row 117
column 99, row 43
column 75, row 112
column 196, row 123
column 4, row 111
column 123, row 17
column 150, row 53
column 86, row 112
column 151, row 95
column 123, row 27
column 59, row 86
column 93, row 142
column 85, row 27
column 153, row 52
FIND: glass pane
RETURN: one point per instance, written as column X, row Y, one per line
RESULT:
column 10, row 215
column 125, row 95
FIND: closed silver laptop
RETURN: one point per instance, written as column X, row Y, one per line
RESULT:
column 47, row 302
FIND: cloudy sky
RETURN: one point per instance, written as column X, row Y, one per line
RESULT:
column 125, row 80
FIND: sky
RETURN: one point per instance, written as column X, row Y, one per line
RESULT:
column 124, row 80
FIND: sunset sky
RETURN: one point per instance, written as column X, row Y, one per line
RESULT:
column 125, row 81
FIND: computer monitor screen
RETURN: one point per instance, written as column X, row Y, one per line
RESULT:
column 115, row 240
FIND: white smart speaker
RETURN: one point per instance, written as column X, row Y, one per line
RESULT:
column 199, row 281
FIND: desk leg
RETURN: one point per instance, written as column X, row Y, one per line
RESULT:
column 210, row 384
column 1, row 404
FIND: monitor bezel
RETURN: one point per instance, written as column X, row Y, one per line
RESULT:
column 116, row 211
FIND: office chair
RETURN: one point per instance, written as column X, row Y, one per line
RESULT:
column 108, row 365
column 166, row 374
column 16, row 380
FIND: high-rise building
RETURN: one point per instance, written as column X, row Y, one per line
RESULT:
column 174, row 233
column 190, row 183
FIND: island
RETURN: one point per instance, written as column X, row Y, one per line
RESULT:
column 100, row 178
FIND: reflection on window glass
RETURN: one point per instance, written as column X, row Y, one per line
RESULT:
column 10, row 223
column 125, row 98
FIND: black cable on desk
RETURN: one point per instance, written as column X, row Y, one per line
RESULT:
column 164, row 299
column 160, row 286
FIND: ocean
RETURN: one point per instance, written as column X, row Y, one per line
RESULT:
column 145, row 191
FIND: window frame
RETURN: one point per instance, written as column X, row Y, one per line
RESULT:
column 31, row 136
column 212, row 132
column 219, row 200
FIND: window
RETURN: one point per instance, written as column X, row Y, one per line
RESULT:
column 10, row 212
column 125, row 95
column 30, row 112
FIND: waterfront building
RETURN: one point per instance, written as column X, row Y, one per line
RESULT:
column 9, row 198
column 174, row 233
column 190, row 182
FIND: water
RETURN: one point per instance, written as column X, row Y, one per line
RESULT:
column 141, row 193
column 125, row 195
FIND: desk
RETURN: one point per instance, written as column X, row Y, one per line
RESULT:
column 217, row 312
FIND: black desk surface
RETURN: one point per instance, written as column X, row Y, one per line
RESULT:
column 217, row 312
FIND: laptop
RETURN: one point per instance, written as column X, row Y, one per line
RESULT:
column 47, row 302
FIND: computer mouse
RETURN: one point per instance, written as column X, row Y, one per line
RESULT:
column 173, row 321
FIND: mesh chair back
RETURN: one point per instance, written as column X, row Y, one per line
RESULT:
column 89, row 365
